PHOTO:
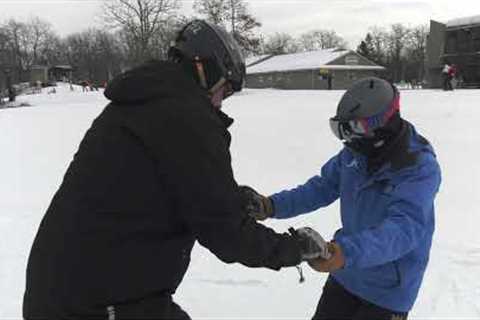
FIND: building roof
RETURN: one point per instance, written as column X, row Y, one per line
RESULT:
column 62, row 67
column 38, row 67
column 463, row 21
column 319, row 59
column 253, row 60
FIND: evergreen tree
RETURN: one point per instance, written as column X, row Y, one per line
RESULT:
column 367, row 49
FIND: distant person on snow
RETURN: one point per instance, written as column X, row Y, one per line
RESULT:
column 12, row 94
column 452, row 74
column 152, row 176
column 84, row 85
column 446, row 77
column 386, row 178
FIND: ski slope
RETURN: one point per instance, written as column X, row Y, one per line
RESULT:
column 280, row 139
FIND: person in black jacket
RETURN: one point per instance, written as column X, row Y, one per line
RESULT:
column 151, row 176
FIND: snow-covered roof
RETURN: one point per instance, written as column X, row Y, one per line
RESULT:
column 252, row 60
column 463, row 21
column 351, row 67
column 297, row 61
column 305, row 61
column 65, row 67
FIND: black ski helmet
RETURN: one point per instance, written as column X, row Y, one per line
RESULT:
column 212, row 46
column 366, row 106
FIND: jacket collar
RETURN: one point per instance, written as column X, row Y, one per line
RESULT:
column 398, row 155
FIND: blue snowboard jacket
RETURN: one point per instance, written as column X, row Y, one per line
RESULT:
column 387, row 220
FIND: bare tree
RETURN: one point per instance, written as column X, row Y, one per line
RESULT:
column 40, row 34
column 280, row 43
column 53, row 51
column 27, row 44
column 214, row 11
column 96, row 55
column 6, row 60
column 235, row 17
column 141, row 21
column 17, row 42
column 416, row 51
column 400, row 49
column 396, row 50
column 321, row 39
column 379, row 41
column 161, row 41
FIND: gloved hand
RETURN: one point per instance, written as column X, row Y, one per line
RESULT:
column 257, row 206
column 336, row 261
column 312, row 245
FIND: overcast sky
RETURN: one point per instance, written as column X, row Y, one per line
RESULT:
column 350, row 18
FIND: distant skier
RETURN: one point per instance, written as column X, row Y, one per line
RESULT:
column 153, row 175
column 12, row 93
column 85, row 85
column 446, row 77
column 386, row 178
column 330, row 81
column 452, row 75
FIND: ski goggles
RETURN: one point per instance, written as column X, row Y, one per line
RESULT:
column 346, row 130
column 351, row 129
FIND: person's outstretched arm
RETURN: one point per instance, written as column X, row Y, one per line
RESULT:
column 194, row 161
column 317, row 192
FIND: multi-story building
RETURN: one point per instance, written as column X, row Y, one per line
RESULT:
column 455, row 42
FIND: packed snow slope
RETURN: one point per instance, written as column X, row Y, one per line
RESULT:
column 280, row 139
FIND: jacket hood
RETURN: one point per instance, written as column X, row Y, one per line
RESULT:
column 149, row 81
column 419, row 143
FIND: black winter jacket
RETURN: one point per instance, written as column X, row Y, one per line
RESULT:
column 152, row 175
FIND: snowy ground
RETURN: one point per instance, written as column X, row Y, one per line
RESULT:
column 280, row 138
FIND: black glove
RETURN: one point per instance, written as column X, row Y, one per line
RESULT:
column 312, row 245
column 257, row 206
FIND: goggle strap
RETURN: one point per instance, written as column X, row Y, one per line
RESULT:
column 394, row 107
column 201, row 73
column 220, row 83
column 379, row 120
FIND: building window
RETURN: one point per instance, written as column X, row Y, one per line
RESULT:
column 476, row 39
column 451, row 45
column 463, row 40
column 351, row 60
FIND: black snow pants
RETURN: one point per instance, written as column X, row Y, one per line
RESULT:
column 336, row 303
column 160, row 307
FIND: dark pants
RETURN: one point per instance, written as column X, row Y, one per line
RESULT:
column 153, row 309
column 336, row 303
column 447, row 82
column 159, row 307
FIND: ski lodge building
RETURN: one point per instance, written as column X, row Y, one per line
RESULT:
column 456, row 42
column 322, row 69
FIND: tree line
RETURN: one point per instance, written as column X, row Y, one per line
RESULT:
column 136, row 31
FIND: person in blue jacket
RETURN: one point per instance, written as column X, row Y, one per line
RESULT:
column 386, row 178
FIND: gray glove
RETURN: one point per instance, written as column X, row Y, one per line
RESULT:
column 311, row 243
column 257, row 206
